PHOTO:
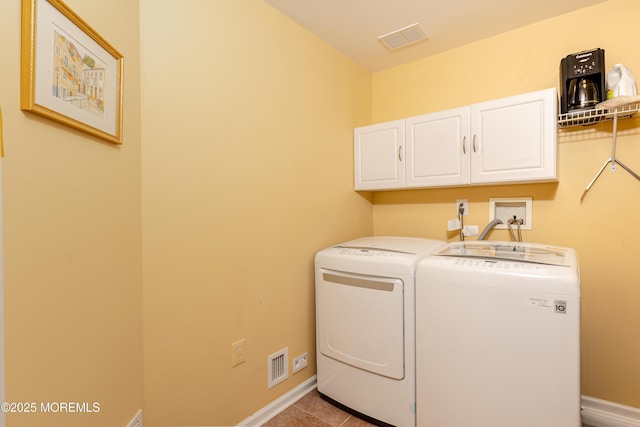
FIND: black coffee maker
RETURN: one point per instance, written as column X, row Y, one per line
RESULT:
column 582, row 81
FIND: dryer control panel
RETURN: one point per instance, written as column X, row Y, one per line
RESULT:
column 364, row 252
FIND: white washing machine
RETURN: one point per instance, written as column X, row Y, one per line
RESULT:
column 498, row 336
column 365, row 325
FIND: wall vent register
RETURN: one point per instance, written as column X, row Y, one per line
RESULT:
column 278, row 367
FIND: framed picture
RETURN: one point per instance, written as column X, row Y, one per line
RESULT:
column 70, row 74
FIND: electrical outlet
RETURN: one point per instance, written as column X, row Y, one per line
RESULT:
column 465, row 206
column 300, row 362
column 238, row 353
column 137, row 420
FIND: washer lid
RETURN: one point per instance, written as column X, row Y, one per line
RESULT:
column 510, row 251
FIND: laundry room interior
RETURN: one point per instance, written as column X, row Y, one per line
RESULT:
column 131, row 270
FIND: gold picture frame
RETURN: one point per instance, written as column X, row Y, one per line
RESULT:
column 69, row 73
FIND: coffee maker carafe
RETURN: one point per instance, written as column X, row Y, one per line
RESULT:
column 582, row 81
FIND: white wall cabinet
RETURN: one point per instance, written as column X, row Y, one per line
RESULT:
column 515, row 139
column 379, row 152
column 503, row 141
column 438, row 149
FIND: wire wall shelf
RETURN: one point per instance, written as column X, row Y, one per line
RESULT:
column 602, row 112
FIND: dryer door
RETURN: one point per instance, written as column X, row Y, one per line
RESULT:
column 361, row 321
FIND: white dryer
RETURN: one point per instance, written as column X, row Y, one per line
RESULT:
column 365, row 325
column 498, row 336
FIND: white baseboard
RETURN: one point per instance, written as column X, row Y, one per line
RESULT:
column 137, row 420
column 600, row 413
column 280, row 404
column 595, row 412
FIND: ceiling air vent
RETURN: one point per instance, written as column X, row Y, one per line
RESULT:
column 403, row 37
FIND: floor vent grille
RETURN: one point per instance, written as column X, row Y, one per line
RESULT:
column 278, row 366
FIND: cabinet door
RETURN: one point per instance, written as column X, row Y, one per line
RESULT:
column 514, row 139
column 379, row 155
column 438, row 149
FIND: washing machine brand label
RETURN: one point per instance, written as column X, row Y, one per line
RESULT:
column 560, row 306
column 548, row 304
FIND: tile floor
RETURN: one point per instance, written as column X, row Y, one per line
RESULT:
column 313, row 411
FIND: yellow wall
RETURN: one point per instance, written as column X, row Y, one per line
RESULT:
column 247, row 172
column 72, row 248
column 601, row 228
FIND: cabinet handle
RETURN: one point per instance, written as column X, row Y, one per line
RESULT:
column 464, row 145
column 474, row 143
column 400, row 152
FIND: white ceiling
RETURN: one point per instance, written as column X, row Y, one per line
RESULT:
column 353, row 26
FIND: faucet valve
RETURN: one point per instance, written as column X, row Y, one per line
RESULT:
column 518, row 222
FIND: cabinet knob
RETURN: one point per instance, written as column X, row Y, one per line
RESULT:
column 464, row 145
column 400, row 152
column 474, row 143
